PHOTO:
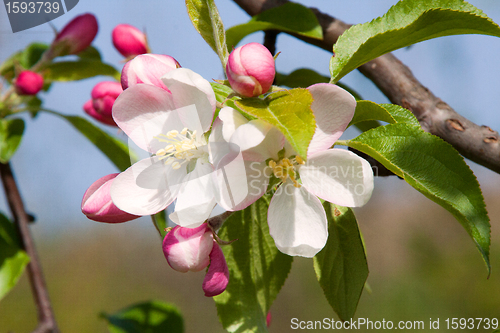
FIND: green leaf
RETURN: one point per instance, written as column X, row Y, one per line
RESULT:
column 13, row 260
column 32, row 53
column 300, row 78
column 160, row 220
column 222, row 91
column 341, row 266
column 434, row 168
column 206, row 20
column 25, row 58
column 116, row 150
column 257, row 270
column 305, row 77
column 289, row 111
column 408, row 22
column 78, row 70
column 148, row 317
column 390, row 113
column 11, row 133
column 290, row 17
column 90, row 53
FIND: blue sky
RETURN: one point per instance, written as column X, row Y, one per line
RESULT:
column 55, row 164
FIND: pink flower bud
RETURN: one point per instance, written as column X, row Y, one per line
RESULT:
column 250, row 69
column 188, row 249
column 129, row 40
column 28, row 83
column 76, row 36
column 217, row 277
column 147, row 68
column 97, row 203
column 100, row 106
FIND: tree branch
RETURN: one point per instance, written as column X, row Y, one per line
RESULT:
column 46, row 321
column 477, row 143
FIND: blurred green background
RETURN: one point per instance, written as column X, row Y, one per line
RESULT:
column 422, row 265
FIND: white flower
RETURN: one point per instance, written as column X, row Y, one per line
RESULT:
column 296, row 218
column 170, row 125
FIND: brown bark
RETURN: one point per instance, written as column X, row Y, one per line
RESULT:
column 477, row 143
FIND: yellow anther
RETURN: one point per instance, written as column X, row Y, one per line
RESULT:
column 161, row 152
column 284, row 169
column 184, row 131
column 172, row 134
column 299, row 160
column 176, row 165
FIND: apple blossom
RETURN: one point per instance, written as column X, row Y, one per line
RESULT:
column 147, row 68
column 103, row 96
column 28, row 83
column 296, row 218
column 129, row 40
column 76, row 36
column 170, row 125
column 98, row 206
column 193, row 249
column 250, row 69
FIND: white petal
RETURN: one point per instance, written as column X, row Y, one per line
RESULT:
column 143, row 111
column 333, row 108
column 195, row 200
column 232, row 119
column 338, row 176
column 258, row 140
column 146, row 188
column 297, row 221
column 240, row 183
column 189, row 88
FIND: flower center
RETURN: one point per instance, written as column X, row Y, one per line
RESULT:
column 285, row 168
column 181, row 147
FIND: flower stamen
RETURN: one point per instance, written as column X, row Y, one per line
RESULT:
column 285, row 168
column 181, row 147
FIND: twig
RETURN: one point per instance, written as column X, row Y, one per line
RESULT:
column 478, row 143
column 46, row 321
column 270, row 40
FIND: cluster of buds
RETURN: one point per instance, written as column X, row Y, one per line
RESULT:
column 75, row 37
column 194, row 249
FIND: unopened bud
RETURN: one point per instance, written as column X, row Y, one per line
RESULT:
column 217, row 277
column 250, row 69
column 28, row 83
column 98, row 206
column 129, row 40
column 103, row 96
column 76, row 36
column 147, row 68
column 188, row 249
